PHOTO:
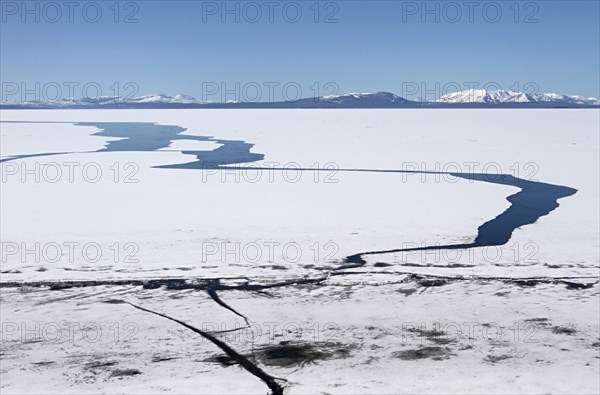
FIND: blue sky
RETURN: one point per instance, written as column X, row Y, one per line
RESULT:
column 398, row 46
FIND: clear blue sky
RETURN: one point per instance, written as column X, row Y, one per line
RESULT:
column 184, row 46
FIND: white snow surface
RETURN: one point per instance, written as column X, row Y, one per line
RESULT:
column 361, row 325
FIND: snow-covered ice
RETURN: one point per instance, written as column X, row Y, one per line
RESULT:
column 517, row 318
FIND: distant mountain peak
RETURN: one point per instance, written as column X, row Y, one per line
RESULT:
column 363, row 95
column 509, row 96
column 162, row 98
column 367, row 99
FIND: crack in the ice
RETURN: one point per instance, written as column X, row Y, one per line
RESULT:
column 212, row 292
column 270, row 381
column 533, row 201
column 205, row 285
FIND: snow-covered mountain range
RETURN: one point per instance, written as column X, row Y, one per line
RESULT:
column 507, row 96
column 105, row 102
column 465, row 99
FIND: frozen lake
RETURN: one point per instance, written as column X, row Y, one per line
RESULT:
column 430, row 242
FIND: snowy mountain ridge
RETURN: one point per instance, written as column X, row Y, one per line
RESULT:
column 508, row 96
column 478, row 98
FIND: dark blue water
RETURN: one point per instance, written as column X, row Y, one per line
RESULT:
column 152, row 137
column 534, row 200
column 145, row 137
